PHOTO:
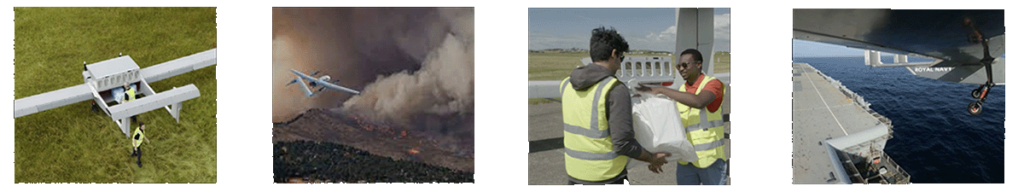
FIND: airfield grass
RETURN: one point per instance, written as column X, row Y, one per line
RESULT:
column 74, row 144
column 557, row 66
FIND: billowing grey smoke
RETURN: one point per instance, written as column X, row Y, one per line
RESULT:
column 443, row 87
column 438, row 98
column 414, row 66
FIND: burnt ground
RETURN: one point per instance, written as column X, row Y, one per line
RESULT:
column 320, row 146
column 308, row 161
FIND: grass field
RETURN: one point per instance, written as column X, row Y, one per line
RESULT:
column 74, row 144
column 557, row 66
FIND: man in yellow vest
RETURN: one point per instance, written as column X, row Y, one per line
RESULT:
column 129, row 95
column 700, row 107
column 137, row 141
column 597, row 117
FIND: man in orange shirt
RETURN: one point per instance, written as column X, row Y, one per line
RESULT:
column 700, row 110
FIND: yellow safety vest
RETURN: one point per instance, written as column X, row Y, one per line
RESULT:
column 706, row 131
column 131, row 93
column 589, row 154
column 138, row 136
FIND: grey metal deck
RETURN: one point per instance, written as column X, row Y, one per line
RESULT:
column 821, row 111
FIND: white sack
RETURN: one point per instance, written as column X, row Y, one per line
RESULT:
column 658, row 128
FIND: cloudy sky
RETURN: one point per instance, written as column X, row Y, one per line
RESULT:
column 643, row 28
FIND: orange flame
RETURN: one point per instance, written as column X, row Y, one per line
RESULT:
column 296, row 180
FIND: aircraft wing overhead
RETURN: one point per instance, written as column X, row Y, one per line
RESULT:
column 52, row 99
column 937, row 34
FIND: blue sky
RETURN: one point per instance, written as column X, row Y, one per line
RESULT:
column 643, row 28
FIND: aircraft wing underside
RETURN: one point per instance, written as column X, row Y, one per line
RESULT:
column 941, row 35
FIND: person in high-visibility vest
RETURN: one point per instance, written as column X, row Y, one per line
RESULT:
column 137, row 138
column 700, row 107
column 129, row 95
column 597, row 117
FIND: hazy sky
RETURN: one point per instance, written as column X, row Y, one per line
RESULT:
column 643, row 28
column 803, row 48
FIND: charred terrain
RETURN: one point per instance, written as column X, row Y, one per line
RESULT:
column 324, row 146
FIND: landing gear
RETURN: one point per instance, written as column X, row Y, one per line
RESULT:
column 976, row 93
column 980, row 94
column 974, row 108
column 982, row 91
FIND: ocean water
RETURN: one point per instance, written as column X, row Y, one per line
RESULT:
column 934, row 138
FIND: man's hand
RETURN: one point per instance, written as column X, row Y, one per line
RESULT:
column 657, row 162
column 646, row 89
column 655, row 169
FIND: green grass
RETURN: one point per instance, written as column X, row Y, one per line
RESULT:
column 73, row 144
column 557, row 66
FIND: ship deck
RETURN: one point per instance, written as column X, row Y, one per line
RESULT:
column 822, row 111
